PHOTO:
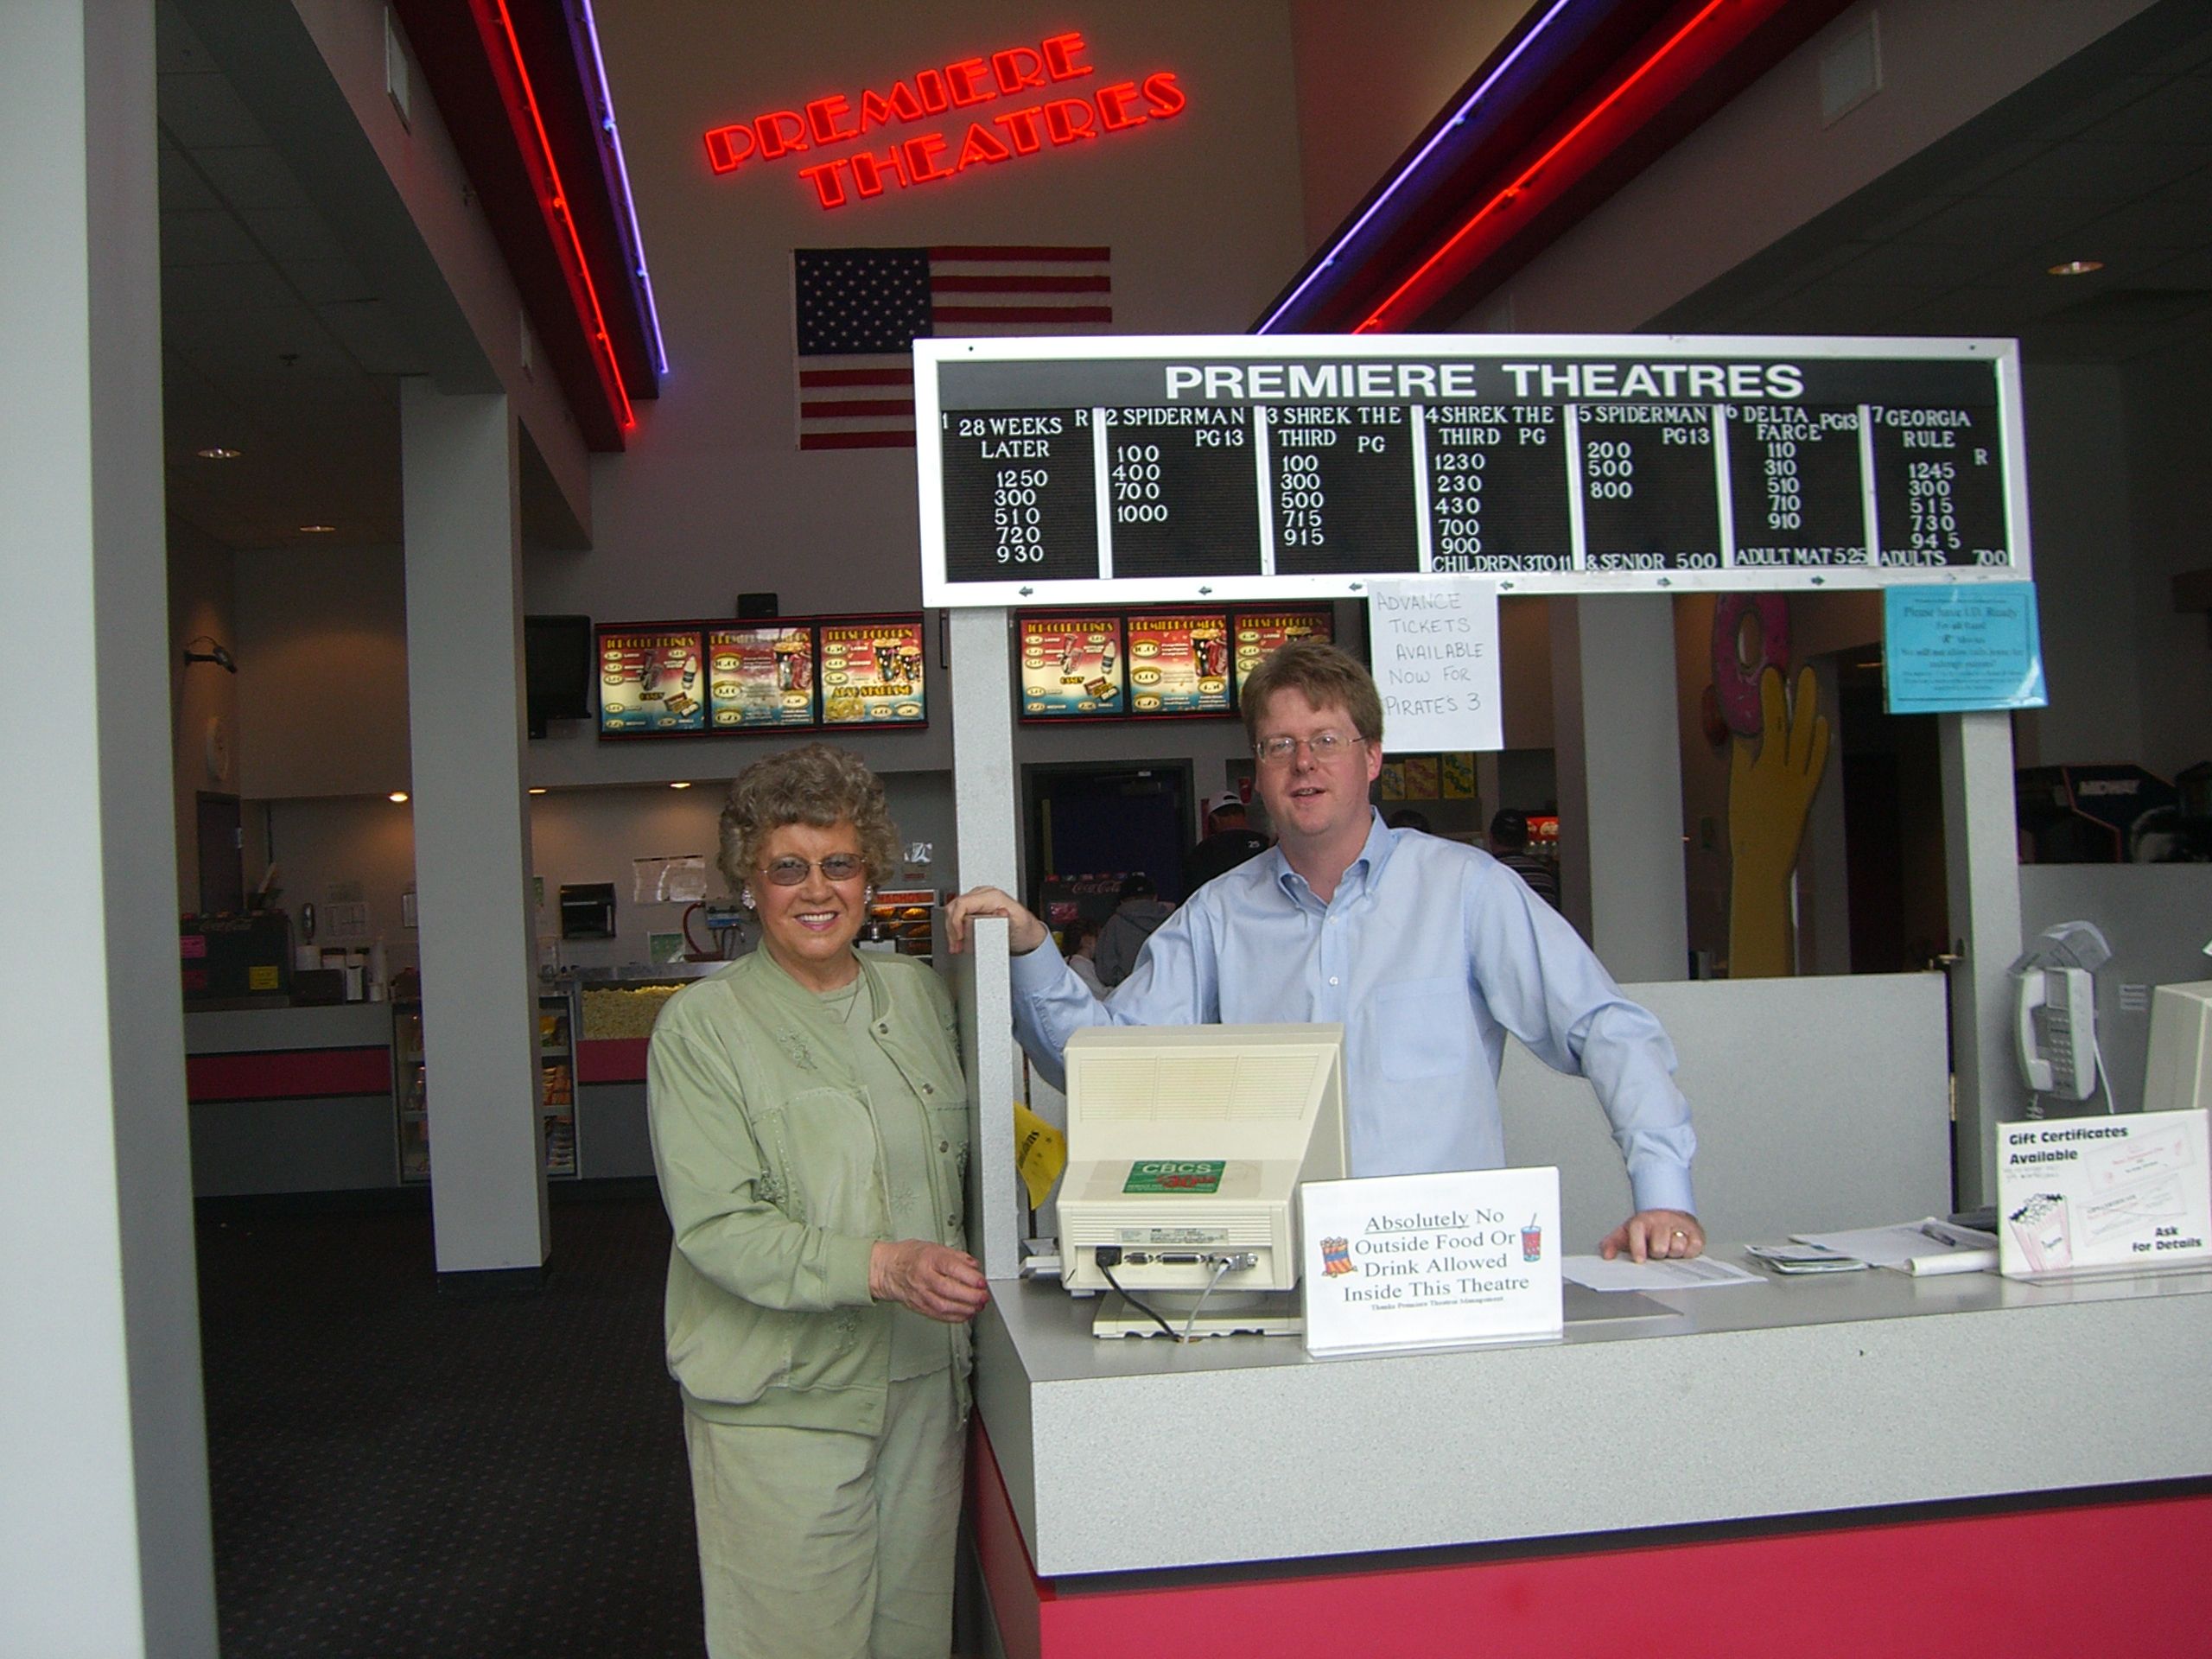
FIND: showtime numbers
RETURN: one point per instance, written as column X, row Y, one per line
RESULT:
column 1136, row 485
column 1930, row 493
column 1016, row 515
column 1608, row 468
column 1298, row 502
column 1785, row 487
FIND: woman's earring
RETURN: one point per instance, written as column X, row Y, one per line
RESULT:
column 745, row 899
column 868, row 893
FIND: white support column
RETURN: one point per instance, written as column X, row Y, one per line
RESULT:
column 472, row 842
column 1620, row 781
column 104, row 1528
column 1982, row 880
column 987, row 822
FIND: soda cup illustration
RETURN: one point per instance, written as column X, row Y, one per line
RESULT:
column 1532, row 1242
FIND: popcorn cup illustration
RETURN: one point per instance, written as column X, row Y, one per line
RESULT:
column 1532, row 1242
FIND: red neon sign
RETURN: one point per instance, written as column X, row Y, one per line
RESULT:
column 928, row 158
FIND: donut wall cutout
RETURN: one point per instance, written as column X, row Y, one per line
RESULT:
column 1219, row 469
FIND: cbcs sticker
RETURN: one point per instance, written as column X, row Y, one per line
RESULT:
column 1145, row 648
column 910, row 711
column 795, row 699
column 1144, row 704
column 1146, row 676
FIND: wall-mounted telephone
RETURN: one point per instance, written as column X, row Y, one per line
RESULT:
column 2056, row 1030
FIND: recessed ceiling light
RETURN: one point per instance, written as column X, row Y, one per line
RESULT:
column 2077, row 267
column 679, row 785
column 398, row 796
column 317, row 530
column 538, row 789
column 216, row 452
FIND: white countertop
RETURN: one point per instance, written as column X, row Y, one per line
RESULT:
column 250, row 1030
column 1788, row 1396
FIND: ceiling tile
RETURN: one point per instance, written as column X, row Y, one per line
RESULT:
column 2109, row 173
column 204, row 239
column 288, row 233
column 251, row 176
column 200, row 111
column 2175, row 112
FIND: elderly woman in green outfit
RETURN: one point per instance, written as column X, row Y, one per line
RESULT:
column 810, row 1127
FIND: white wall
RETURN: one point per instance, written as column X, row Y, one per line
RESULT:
column 2169, row 440
column 322, row 672
column 201, row 609
column 1201, row 212
column 1764, row 165
column 1370, row 80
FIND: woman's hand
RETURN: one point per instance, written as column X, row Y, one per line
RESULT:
column 1024, row 931
column 945, row 1284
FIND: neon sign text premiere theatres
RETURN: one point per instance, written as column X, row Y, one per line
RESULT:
column 932, row 156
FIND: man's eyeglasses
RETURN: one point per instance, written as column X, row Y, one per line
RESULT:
column 1324, row 746
column 838, row 867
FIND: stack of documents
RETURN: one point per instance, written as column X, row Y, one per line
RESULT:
column 1918, row 1247
column 1794, row 1257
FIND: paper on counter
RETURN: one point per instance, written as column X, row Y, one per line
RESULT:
column 1915, row 1247
column 1699, row 1273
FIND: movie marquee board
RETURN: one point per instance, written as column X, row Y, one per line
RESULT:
column 1097, row 472
column 685, row 679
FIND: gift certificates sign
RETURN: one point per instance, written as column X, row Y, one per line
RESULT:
column 2102, row 1194
column 1430, row 1261
column 1197, row 470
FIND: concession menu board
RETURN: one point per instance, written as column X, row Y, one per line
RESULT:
column 1071, row 667
column 683, row 679
column 1179, row 663
column 1259, row 632
column 649, row 681
column 872, row 672
column 760, row 677
column 1211, row 469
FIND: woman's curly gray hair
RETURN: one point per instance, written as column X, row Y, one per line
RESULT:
column 813, row 785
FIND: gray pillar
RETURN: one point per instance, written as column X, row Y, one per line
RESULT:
column 987, row 823
column 1619, row 748
column 1982, row 880
column 103, row 1533
column 465, row 709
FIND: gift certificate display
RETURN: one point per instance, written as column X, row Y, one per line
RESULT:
column 2099, row 1194
column 1430, row 1261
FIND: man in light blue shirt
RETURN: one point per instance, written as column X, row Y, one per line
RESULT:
column 1427, row 953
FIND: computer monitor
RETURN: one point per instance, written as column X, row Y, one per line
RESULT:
column 2178, row 1077
column 1186, row 1145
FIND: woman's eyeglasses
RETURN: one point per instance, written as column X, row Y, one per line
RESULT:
column 838, row 867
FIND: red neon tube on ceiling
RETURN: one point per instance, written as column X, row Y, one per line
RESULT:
column 593, row 319
column 1528, row 180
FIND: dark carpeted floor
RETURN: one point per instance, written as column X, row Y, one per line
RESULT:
column 396, row 1472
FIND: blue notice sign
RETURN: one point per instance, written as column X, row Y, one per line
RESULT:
column 1947, row 650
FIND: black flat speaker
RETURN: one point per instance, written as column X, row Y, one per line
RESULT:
column 757, row 604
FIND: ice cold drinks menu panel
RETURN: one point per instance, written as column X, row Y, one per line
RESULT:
column 1175, row 469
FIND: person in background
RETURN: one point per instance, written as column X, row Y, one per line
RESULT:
column 1081, row 938
column 1426, row 952
column 1509, row 845
column 1136, row 913
column 1229, row 840
column 1407, row 818
column 809, row 1130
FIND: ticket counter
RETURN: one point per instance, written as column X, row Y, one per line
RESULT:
column 1863, row 1463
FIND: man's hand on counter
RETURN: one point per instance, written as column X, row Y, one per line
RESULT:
column 1024, row 931
column 1655, row 1236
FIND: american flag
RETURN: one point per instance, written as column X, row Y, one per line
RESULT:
column 859, row 310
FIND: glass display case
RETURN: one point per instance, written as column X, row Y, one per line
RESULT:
column 557, row 1086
